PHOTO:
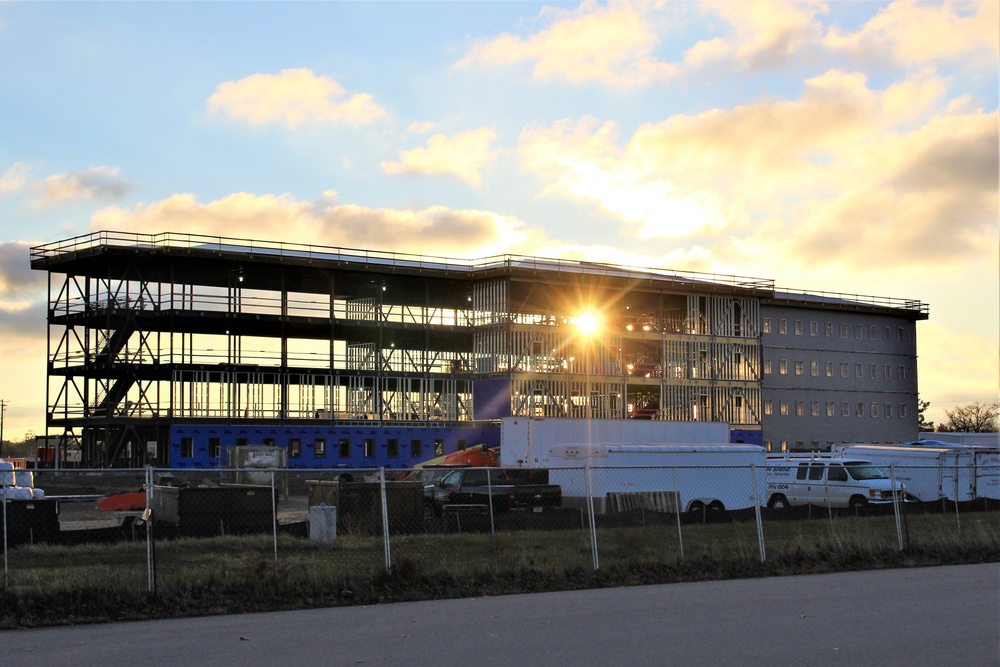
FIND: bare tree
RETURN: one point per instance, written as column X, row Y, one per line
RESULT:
column 976, row 417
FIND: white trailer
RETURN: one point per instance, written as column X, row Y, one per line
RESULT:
column 687, row 477
column 929, row 473
column 524, row 441
column 985, row 459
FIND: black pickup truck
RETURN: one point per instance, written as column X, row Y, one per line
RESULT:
column 479, row 488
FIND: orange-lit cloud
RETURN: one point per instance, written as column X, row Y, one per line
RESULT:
column 916, row 33
column 617, row 44
column 14, row 179
column 462, row 155
column 435, row 230
column 613, row 44
column 17, row 280
column 957, row 377
column 843, row 164
column 97, row 184
column 293, row 97
column 761, row 34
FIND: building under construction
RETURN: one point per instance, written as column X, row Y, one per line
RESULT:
column 170, row 349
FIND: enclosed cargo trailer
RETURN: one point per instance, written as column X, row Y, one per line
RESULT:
column 928, row 473
column 669, row 478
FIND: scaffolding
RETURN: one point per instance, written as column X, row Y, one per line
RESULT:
column 146, row 331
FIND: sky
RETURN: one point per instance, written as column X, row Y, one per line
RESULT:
column 846, row 147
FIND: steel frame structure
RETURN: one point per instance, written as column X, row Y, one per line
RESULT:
column 150, row 330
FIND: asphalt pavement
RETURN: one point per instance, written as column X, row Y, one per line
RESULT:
column 907, row 617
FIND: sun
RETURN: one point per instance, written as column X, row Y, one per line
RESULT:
column 587, row 323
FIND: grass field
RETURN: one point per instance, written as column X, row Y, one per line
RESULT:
column 51, row 584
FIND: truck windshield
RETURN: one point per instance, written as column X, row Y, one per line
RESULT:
column 861, row 471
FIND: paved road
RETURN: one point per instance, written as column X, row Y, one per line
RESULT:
column 911, row 617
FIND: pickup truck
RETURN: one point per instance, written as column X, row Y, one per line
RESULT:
column 475, row 489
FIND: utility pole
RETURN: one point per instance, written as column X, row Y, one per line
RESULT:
column 3, row 408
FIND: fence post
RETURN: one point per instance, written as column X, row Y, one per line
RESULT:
column 756, row 508
column 274, row 520
column 147, row 515
column 680, row 535
column 385, row 521
column 958, row 518
column 590, row 512
column 5, row 534
column 895, row 503
column 493, row 529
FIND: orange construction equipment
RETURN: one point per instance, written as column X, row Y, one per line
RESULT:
column 479, row 456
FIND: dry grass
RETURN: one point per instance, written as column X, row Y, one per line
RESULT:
column 47, row 585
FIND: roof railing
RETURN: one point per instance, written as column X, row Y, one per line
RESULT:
column 378, row 257
column 407, row 260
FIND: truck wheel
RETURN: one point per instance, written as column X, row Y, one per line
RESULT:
column 858, row 504
column 778, row 502
column 716, row 512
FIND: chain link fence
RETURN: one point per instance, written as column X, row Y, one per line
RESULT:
column 134, row 529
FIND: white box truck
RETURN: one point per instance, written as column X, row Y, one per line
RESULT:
column 696, row 478
column 929, row 473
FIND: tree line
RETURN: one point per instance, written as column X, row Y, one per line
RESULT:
column 978, row 417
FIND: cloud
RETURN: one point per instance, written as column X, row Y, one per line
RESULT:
column 23, row 349
column 582, row 161
column 844, row 175
column 693, row 258
column 762, row 35
column 435, row 230
column 949, row 379
column 14, row 179
column 17, row 280
column 420, row 127
column 293, row 97
column 913, row 33
column 461, row 155
column 929, row 196
column 613, row 44
column 98, row 183
column 617, row 44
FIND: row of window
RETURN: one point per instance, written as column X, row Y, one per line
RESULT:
column 320, row 449
column 859, row 329
column 831, row 408
column 859, row 369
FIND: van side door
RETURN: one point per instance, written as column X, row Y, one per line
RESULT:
column 816, row 488
column 838, row 486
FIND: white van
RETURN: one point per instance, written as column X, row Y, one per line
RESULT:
column 825, row 481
